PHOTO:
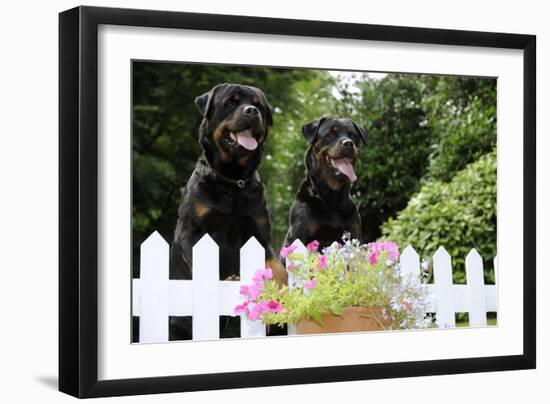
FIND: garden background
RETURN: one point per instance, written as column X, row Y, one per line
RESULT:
column 427, row 176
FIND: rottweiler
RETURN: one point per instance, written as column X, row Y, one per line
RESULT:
column 323, row 209
column 224, row 196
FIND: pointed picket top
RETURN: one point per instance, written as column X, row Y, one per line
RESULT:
column 442, row 267
column 473, row 256
column 409, row 262
column 206, row 242
column 252, row 259
column 476, row 289
column 443, row 282
column 441, row 254
column 154, row 278
column 251, row 244
column 300, row 247
column 155, row 239
column 206, row 296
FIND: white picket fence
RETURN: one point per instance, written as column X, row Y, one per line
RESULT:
column 155, row 297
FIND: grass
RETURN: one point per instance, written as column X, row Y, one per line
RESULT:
column 491, row 322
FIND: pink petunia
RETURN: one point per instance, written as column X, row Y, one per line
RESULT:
column 373, row 258
column 244, row 290
column 255, row 289
column 256, row 312
column 273, row 306
column 262, row 274
column 322, row 262
column 377, row 247
column 285, row 251
column 392, row 249
column 290, row 266
column 313, row 246
column 252, row 291
column 241, row 308
column 312, row 283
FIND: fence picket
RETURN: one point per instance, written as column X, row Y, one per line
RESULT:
column 476, row 289
column 443, row 282
column 206, row 320
column 252, row 258
column 154, row 304
column 300, row 248
column 409, row 262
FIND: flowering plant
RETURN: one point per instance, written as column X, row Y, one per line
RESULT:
column 344, row 275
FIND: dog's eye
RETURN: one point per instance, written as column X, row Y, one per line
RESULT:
column 231, row 103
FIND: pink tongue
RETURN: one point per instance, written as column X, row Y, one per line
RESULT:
column 246, row 140
column 345, row 166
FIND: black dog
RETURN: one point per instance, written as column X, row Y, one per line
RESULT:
column 323, row 209
column 224, row 196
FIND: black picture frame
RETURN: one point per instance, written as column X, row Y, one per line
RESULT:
column 78, row 200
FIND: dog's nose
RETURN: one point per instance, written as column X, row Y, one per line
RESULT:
column 250, row 110
column 347, row 143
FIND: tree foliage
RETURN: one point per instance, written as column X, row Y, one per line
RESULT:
column 459, row 215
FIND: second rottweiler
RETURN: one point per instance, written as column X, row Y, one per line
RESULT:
column 323, row 209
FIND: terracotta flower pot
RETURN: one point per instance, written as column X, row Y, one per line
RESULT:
column 353, row 319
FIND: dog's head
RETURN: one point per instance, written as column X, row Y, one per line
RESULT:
column 235, row 121
column 334, row 148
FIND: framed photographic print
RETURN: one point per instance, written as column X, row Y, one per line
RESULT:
column 251, row 201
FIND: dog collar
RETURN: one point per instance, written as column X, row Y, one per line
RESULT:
column 241, row 183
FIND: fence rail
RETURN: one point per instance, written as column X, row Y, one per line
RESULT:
column 155, row 297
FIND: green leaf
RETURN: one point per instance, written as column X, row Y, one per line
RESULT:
column 336, row 310
column 316, row 316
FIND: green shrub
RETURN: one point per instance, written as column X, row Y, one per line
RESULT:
column 458, row 215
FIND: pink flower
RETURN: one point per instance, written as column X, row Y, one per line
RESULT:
column 244, row 290
column 242, row 308
column 285, row 251
column 322, row 262
column 373, row 259
column 255, row 290
column 257, row 311
column 290, row 266
column 273, row 306
column 252, row 291
column 262, row 274
column 312, row 283
column 313, row 246
column 377, row 247
column 392, row 249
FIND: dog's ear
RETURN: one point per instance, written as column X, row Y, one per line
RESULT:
column 203, row 102
column 362, row 132
column 311, row 129
column 268, row 108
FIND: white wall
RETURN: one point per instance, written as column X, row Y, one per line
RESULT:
column 28, row 202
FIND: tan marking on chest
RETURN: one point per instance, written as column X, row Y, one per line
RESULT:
column 200, row 209
column 312, row 226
